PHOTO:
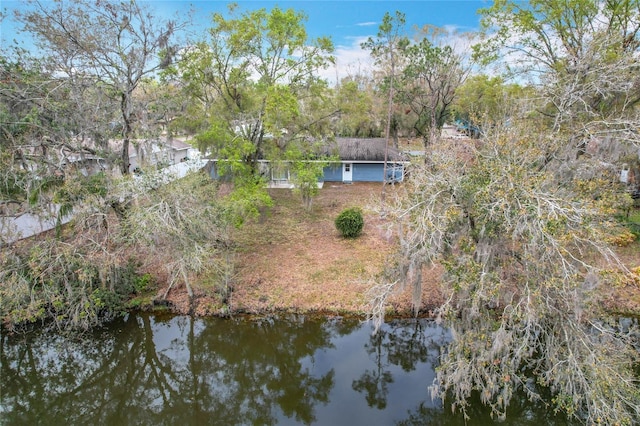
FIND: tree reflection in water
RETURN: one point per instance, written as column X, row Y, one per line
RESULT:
column 180, row 370
column 400, row 345
column 164, row 371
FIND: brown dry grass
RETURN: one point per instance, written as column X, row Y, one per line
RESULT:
column 295, row 260
column 624, row 295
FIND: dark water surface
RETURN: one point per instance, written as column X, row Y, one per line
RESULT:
column 155, row 370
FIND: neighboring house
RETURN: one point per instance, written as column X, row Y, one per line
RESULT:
column 359, row 160
column 142, row 153
column 158, row 152
column 87, row 164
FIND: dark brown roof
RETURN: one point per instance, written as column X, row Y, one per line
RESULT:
column 363, row 149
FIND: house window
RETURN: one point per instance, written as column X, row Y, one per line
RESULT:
column 347, row 167
column 280, row 174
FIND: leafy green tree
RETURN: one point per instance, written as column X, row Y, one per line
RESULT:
column 256, row 80
column 522, row 225
column 252, row 77
column 306, row 172
column 485, row 101
column 583, row 57
column 161, row 103
column 355, row 100
column 386, row 51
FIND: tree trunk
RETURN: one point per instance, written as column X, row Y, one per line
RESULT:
column 125, row 109
column 394, row 131
column 124, row 157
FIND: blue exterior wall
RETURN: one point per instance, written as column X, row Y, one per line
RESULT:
column 367, row 172
column 362, row 172
column 333, row 174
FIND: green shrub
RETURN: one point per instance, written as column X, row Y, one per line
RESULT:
column 143, row 283
column 350, row 222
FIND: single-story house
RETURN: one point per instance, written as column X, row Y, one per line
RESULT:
column 159, row 152
column 359, row 160
column 363, row 160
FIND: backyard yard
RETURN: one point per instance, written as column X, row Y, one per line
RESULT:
column 295, row 260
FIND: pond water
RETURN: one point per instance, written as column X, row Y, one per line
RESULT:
column 177, row 370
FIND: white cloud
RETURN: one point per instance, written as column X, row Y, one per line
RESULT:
column 366, row 24
column 351, row 59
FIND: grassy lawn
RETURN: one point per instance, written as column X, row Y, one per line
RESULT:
column 295, row 260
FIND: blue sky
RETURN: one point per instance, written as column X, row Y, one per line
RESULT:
column 344, row 19
column 348, row 23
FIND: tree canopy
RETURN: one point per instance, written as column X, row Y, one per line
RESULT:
column 429, row 82
column 523, row 222
column 386, row 51
column 583, row 55
column 256, row 80
column 113, row 45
